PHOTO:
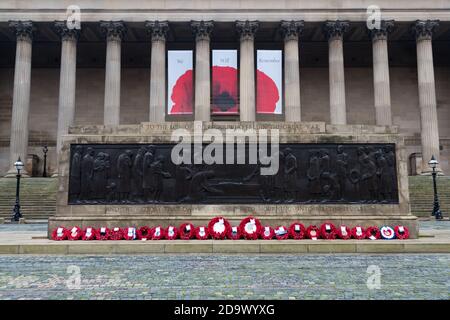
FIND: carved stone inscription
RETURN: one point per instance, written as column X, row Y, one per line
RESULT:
column 308, row 173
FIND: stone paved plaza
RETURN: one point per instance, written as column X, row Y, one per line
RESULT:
column 224, row 277
column 205, row 276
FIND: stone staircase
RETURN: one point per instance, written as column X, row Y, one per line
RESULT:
column 38, row 196
column 421, row 195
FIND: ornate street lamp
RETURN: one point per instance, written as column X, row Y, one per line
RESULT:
column 16, row 211
column 436, row 207
column 45, row 150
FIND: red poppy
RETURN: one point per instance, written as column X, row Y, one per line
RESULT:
column 267, row 94
column 224, row 90
column 183, row 94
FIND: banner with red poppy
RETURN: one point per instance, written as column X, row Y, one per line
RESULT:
column 224, row 82
column 180, row 87
column 269, row 79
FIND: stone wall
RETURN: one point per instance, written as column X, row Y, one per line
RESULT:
column 135, row 101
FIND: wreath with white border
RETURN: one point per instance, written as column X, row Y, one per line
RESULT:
column 387, row 233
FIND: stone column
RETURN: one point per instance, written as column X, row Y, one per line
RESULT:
column 202, row 31
column 427, row 95
column 291, row 30
column 381, row 88
column 247, row 30
column 114, row 32
column 158, row 31
column 334, row 31
column 67, row 80
column 18, row 146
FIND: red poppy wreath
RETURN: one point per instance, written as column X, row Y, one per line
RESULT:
column 218, row 227
column 144, row 233
column 267, row 233
column 74, row 233
column 401, row 232
column 250, row 228
column 281, row 233
column 328, row 231
column 187, row 231
column 201, row 233
column 60, row 233
column 297, row 231
column 89, row 234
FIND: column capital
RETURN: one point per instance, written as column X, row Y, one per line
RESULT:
column 423, row 29
column 291, row 29
column 113, row 30
column 157, row 29
column 65, row 32
column 22, row 29
column 335, row 29
column 386, row 27
column 247, row 29
column 202, row 29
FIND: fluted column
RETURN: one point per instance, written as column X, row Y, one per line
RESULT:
column 18, row 146
column 291, row 31
column 247, row 105
column 427, row 95
column 67, row 80
column 202, row 31
column 114, row 32
column 334, row 31
column 381, row 87
column 158, row 31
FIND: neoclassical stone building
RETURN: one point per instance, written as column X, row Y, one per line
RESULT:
column 114, row 69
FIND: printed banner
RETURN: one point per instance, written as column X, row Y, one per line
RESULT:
column 180, row 88
column 224, row 82
column 269, row 79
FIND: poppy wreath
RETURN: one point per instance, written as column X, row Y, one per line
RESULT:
column 250, row 228
column 344, row 232
column 129, row 233
column 187, row 231
column 74, row 233
column 267, row 233
column 281, row 233
column 157, row 233
column 358, row 233
column 387, row 233
column 171, row 233
column 60, row 233
column 328, row 231
column 234, row 233
column 201, row 233
column 116, row 234
column 373, row 233
column 401, row 232
column 218, row 227
column 103, row 233
column 89, row 234
column 297, row 231
column 312, row 232
column 144, row 233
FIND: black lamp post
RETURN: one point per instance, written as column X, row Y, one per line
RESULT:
column 45, row 150
column 16, row 211
column 436, row 207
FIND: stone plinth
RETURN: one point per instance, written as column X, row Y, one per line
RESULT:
column 350, row 214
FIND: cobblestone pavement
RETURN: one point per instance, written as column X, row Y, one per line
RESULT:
column 225, row 277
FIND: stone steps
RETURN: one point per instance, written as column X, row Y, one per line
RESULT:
column 421, row 194
column 38, row 197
